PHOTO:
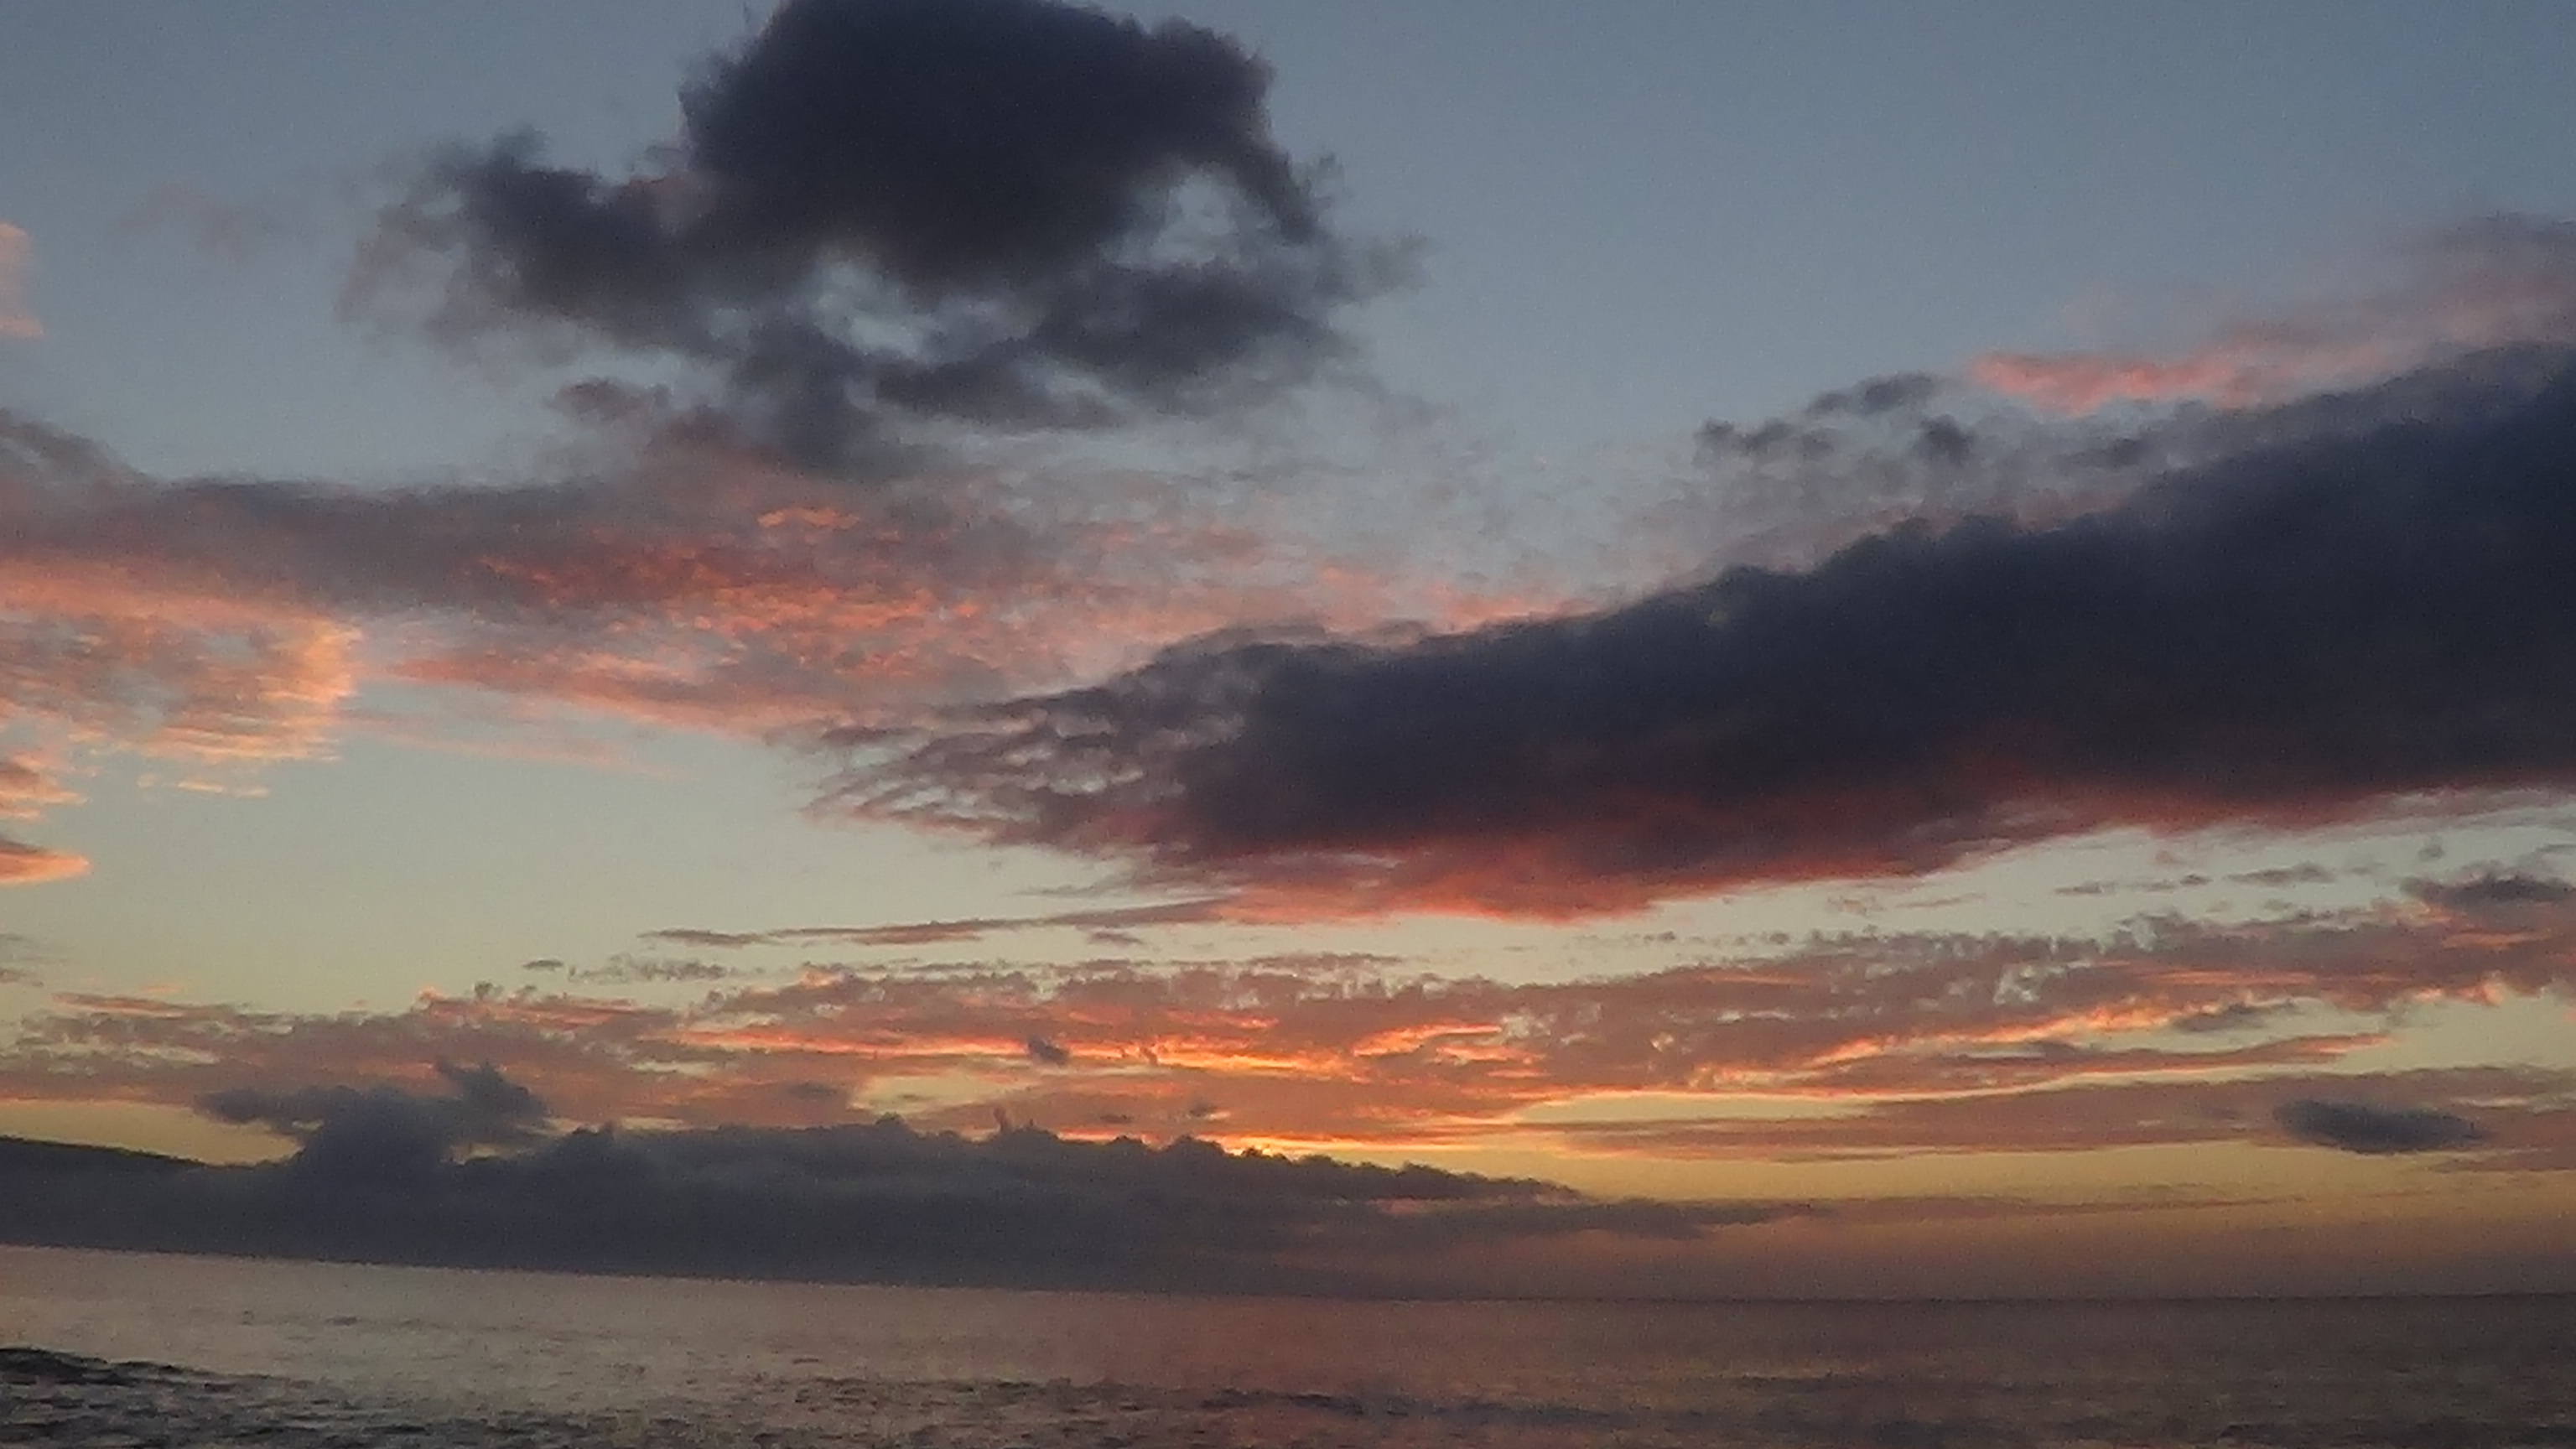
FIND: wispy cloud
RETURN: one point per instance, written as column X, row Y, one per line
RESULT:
column 970, row 928
column 17, row 257
column 226, row 622
column 2493, row 282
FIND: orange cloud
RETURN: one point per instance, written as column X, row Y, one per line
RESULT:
column 23, row 864
column 1344, row 1050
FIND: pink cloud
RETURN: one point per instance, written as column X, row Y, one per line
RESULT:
column 2494, row 282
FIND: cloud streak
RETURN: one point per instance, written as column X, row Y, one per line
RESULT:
column 2493, row 282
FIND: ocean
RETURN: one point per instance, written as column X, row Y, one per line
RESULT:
column 128, row 1350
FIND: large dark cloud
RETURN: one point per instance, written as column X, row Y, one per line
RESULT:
column 2297, row 630
column 1006, row 212
column 2379, row 1131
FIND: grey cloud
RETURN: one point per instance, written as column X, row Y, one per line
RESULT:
column 2236, row 1016
column 1877, row 395
column 2490, row 890
column 883, row 212
column 2360, row 1127
column 627, row 970
column 705, row 939
column 2288, row 875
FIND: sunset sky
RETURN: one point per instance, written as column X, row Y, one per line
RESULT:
column 1947, row 631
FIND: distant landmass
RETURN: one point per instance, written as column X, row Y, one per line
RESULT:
column 24, row 1156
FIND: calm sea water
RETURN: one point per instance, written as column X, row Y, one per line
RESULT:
column 140, row 1350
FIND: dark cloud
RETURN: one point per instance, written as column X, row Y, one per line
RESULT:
column 703, row 939
column 2288, row 875
column 869, row 1202
column 1048, row 1053
column 384, row 1133
column 629, row 970
column 2298, row 631
column 2493, row 889
column 1010, row 212
column 2236, row 1016
column 2360, row 1127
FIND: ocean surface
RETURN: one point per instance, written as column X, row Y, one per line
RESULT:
column 128, row 1350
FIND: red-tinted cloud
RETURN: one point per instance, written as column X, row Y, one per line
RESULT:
column 2494, row 282
column 223, row 623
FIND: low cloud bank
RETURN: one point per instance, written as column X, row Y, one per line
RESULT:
column 386, row 1175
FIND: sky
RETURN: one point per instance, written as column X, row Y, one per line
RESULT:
column 1821, row 650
